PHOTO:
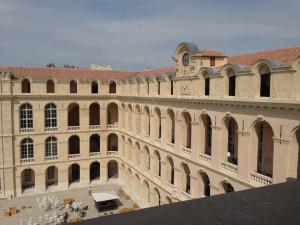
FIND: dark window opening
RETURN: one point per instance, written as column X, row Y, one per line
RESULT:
column 232, row 86
column 112, row 88
column 207, row 86
column 73, row 87
column 265, row 85
column 25, row 86
column 94, row 88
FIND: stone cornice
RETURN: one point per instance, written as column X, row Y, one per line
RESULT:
column 268, row 104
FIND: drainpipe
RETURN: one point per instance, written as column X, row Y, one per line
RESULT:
column 3, row 174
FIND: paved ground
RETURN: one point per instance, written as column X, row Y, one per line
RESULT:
column 79, row 195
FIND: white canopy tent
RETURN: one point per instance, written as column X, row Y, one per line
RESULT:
column 105, row 196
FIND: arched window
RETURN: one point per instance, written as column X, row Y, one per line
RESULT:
column 157, row 163
column 137, row 118
column 50, row 86
column 26, row 86
column 227, row 187
column 170, row 126
column 112, row 87
column 147, row 121
column 157, row 121
column 50, row 115
column 94, row 115
column 73, row 115
column 51, row 146
column 231, row 78
column 112, row 115
column 185, row 178
column 147, row 86
column 130, row 116
column 27, row 151
column 158, row 85
column 26, row 116
column 170, row 84
column 170, row 170
column 147, row 158
column 232, row 150
column 94, row 87
column 265, row 149
column 73, row 87
column 95, row 143
column 74, row 145
column 208, row 134
column 186, row 129
column 265, row 79
column 112, row 142
column 207, row 79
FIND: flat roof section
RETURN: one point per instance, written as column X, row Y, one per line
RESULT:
column 275, row 204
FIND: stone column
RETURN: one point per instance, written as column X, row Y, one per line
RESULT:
column 280, row 160
column 103, row 172
column 103, row 144
column 195, row 138
column 63, row 178
column 177, row 180
column 178, row 136
column 216, row 147
column 84, row 117
column 193, row 186
column 85, row 147
column 103, row 117
column 163, row 131
column 163, row 173
column 85, row 174
column 152, row 128
column 126, row 121
column 62, row 117
column 40, row 185
column 244, row 155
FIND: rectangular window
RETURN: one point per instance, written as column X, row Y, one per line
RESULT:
column 51, row 172
column 212, row 61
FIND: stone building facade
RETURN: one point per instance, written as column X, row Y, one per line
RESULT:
column 209, row 125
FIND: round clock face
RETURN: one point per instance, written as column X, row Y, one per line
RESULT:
column 185, row 59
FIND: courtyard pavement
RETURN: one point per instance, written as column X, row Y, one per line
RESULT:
column 27, row 206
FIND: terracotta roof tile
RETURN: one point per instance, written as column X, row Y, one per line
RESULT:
column 63, row 74
column 213, row 53
column 285, row 55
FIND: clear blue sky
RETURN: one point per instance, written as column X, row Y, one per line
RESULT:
column 135, row 34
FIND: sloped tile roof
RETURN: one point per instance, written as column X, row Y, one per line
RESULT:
column 63, row 74
column 284, row 55
column 212, row 53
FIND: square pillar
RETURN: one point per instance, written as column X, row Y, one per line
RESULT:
column 243, row 155
column 216, row 147
column 195, row 138
column 280, row 160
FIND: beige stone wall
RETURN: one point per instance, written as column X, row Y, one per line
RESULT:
column 137, row 129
